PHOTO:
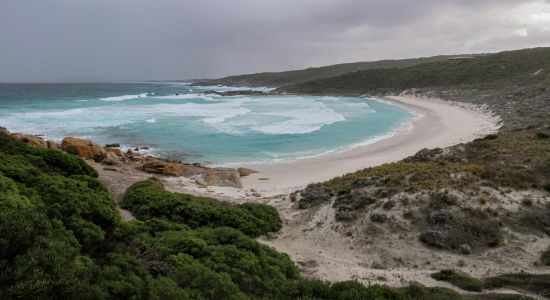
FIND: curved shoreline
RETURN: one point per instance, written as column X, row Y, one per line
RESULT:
column 442, row 124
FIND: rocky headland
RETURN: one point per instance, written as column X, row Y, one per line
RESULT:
column 111, row 157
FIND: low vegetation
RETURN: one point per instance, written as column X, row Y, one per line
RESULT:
column 276, row 79
column 148, row 199
column 443, row 186
column 488, row 71
column 545, row 257
column 61, row 237
column 515, row 160
column 534, row 283
column 460, row 280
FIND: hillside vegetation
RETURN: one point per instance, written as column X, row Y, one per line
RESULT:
column 458, row 199
column 518, row 68
column 276, row 79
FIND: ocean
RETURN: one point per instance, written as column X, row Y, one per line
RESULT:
column 178, row 121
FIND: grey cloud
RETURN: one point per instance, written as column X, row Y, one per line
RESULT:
column 170, row 39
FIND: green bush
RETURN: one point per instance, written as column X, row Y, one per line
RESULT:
column 545, row 257
column 147, row 200
column 535, row 283
column 459, row 279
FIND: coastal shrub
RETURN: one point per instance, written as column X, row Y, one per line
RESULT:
column 535, row 219
column 313, row 195
column 227, row 252
column 535, row 283
column 470, row 227
column 514, row 159
column 267, row 216
column 46, row 160
column 148, row 200
column 460, row 280
column 545, row 257
column 61, row 237
column 346, row 290
column 30, row 241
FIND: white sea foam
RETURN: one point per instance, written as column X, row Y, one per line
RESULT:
column 224, row 88
column 185, row 96
column 124, row 97
column 300, row 121
column 152, row 120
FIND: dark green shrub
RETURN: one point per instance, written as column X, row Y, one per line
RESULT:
column 459, row 279
column 535, row 283
column 148, row 200
column 545, row 257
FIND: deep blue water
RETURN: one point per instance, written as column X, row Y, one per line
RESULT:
column 177, row 121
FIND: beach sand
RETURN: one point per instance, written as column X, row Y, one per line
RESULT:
column 439, row 124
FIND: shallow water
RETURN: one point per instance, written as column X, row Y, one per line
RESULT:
column 177, row 121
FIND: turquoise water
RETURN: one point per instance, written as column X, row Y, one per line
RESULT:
column 177, row 121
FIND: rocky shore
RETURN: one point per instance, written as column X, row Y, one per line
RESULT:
column 111, row 155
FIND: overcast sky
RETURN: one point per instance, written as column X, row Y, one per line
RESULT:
column 110, row 40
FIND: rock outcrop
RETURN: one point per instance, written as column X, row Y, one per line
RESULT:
column 205, row 176
column 31, row 140
column 222, row 177
column 113, row 156
column 245, row 171
column 83, row 148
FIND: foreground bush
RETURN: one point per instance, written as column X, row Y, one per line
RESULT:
column 535, row 283
column 148, row 199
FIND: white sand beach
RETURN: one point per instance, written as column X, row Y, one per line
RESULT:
column 439, row 124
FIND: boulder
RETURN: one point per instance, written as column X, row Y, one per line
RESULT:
column 191, row 170
column 223, row 177
column 53, row 145
column 31, row 140
column 158, row 166
column 115, row 151
column 83, row 148
column 111, row 159
column 155, row 166
column 245, row 171
column 205, row 176
column 115, row 145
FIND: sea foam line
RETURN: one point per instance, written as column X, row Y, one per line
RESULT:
column 124, row 97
